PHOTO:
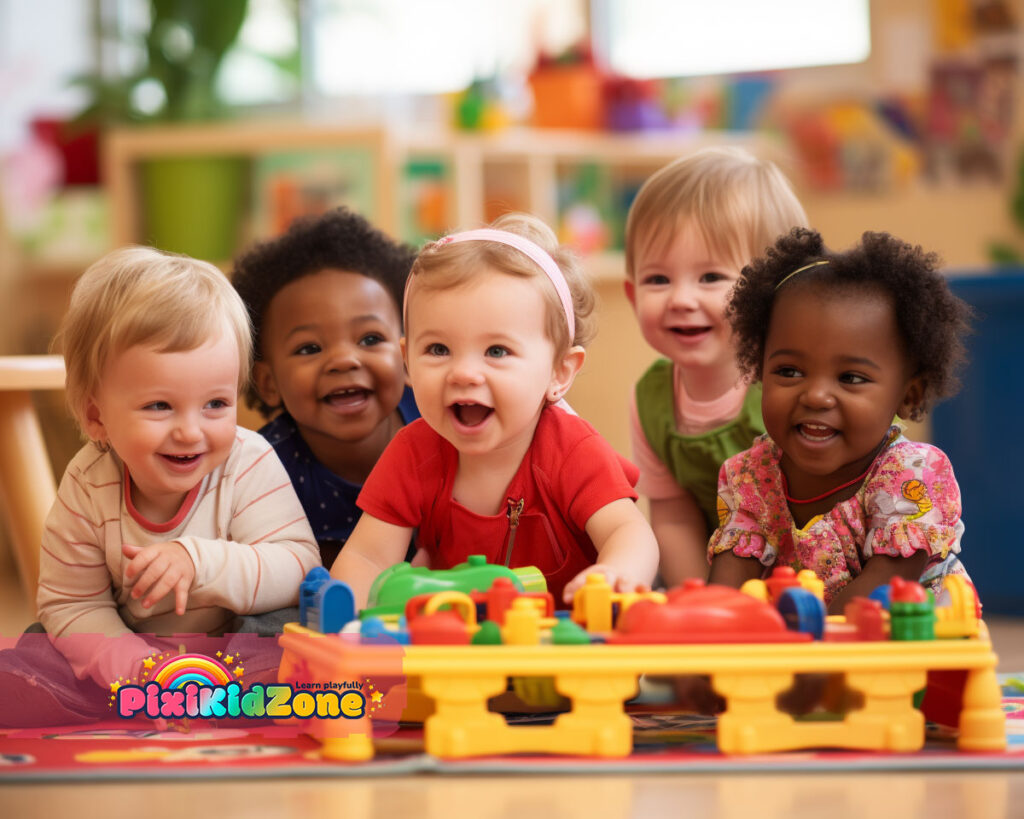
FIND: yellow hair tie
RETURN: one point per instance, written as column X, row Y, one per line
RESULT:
column 801, row 270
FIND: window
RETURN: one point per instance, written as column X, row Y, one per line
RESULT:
column 381, row 47
column 679, row 38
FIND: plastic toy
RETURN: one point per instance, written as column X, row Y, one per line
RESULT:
column 395, row 586
column 751, row 649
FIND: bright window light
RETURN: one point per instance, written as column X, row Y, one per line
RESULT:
column 680, row 38
column 379, row 47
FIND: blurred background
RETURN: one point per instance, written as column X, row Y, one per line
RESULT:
column 201, row 125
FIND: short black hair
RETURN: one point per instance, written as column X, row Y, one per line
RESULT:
column 932, row 321
column 339, row 239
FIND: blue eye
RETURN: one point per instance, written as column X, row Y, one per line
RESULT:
column 218, row 403
column 158, row 406
column 497, row 351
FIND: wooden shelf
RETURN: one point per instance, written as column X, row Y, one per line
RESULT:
column 483, row 173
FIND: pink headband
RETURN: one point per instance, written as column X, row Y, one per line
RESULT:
column 540, row 256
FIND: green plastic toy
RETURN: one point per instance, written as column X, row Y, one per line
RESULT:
column 396, row 585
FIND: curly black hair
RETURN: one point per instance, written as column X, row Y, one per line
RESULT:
column 931, row 320
column 339, row 239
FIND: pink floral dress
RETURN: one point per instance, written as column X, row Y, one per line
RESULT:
column 909, row 501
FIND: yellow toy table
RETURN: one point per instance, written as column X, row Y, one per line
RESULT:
column 599, row 678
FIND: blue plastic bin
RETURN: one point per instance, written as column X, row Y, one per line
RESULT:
column 982, row 431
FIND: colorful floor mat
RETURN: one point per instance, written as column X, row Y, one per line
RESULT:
column 663, row 742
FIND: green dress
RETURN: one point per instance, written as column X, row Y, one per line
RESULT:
column 694, row 460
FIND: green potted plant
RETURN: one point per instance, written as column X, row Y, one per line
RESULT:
column 1007, row 253
column 191, row 204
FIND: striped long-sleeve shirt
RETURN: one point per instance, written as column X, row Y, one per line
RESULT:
column 243, row 527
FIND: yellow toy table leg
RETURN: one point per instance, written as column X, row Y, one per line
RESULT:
column 982, row 723
column 461, row 725
column 888, row 720
column 351, row 748
column 751, row 723
column 597, row 724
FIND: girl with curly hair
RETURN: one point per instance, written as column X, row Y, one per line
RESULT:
column 843, row 343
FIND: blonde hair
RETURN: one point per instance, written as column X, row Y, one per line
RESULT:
column 442, row 266
column 739, row 203
column 139, row 295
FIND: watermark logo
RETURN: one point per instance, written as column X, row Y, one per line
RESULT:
column 198, row 686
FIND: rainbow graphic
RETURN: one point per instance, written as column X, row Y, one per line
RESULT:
column 186, row 668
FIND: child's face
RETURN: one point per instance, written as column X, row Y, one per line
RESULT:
column 480, row 363
column 170, row 417
column 834, row 377
column 679, row 292
column 331, row 356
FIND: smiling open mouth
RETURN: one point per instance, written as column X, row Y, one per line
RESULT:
column 346, row 397
column 690, row 331
column 182, row 459
column 471, row 415
column 816, row 432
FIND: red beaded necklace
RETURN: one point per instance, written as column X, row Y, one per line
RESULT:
column 823, row 495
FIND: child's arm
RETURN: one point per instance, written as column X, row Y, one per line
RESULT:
column 627, row 553
column 373, row 546
column 913, row 504
column 263, row 547
column 730, row 569
column 75, row 598
column 682, row 536
column 676, row 518
column 877, row 571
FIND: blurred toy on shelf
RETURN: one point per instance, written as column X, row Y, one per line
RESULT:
column 633, row 105
column 969, row 118
column 585, row 208
column 852, row 147
column 426, row 199
column 568, row 92
column 481, row 107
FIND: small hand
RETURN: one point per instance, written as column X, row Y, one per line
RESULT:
column 620, row 581
column 157, row 570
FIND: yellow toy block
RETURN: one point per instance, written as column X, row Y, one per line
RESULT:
column 592, row 606
column 960, row 617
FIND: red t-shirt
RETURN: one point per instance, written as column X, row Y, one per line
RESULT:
column 568, row 473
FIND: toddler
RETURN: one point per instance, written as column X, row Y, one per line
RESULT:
column 171, row 520
column 495, row 326
column 692, row 228
column 325, row 301
column 842, row 343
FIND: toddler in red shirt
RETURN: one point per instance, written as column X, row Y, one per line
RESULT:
column 495, row 326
